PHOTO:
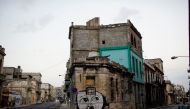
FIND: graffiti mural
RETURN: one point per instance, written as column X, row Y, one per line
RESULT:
column 94, row 100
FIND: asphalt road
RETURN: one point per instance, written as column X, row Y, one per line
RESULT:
column 47, row 105
column 172, row 107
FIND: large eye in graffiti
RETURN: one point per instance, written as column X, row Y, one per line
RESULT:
column 84, row 100
column 97, row 98
column 94, row 99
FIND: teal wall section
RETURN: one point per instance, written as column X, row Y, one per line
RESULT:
column 137, row 67
column 126, row 57
column 117, row 54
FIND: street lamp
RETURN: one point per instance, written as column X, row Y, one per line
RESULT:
column 174, row 57
column 188, row 70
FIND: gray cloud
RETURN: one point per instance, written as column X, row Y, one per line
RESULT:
column 126, row 13
column 25, row 5
column 35, row 24
column 45, row 20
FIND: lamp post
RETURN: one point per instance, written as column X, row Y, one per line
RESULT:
column 174, row 57
column 188, row 70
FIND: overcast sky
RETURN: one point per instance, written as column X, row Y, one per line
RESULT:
column 34, row 33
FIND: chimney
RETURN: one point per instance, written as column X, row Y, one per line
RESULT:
column 93, row 23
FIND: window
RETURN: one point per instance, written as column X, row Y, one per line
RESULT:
column 140, row 69
column 111, row 82
column 103, row 42
column 116, row 84
column 80, row 77
column 90, row 80
column 131, row 39
column 112, row 95
column 122, row 96
column 138, row 45
column 137, row 71
column 112, row 89
column 135, row 43
column 133, row 63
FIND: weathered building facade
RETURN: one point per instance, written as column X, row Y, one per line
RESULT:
column 20, row 88
column 59, row 93
column 169, row 93
column 2, row 75
column 20, row 92
column 179, row 92
column 36, row 83
column 47, row 92
column 154, row 82
column 12, row 73
column 120, row 42
column 98, row 75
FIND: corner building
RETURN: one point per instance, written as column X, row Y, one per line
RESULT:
column 121, row 43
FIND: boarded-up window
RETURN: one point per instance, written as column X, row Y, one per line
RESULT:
column 90, row 80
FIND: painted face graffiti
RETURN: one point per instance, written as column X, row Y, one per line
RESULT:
column 89, row 101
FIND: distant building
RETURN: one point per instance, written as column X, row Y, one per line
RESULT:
column 37, row 77
column 47, row 92
column 170, row 95
column 12, row 73
column 154, row 82
column 179, row 92
column 2, row 75
column 120, row 42
column 24, row 88
column 59, row 93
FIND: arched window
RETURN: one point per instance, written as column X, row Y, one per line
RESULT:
column 131, row 39
column 135, row 42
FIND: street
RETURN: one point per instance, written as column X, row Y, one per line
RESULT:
column 171, row 107
column 47, row 105
column 57, row 105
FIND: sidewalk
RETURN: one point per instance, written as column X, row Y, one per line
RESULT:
column 160, row 107
column 20, row 106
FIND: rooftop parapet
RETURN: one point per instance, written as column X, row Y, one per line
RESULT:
column 93, row 23
column 101, row 61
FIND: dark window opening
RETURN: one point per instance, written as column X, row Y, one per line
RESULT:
column 80, row 77
column 131, row 39
column 112, row 95
column 111, row 82
column 116, row 84
column 135, row 43
column 133, row 63
column 122, row 96
column 103, row 42
column 137, row 72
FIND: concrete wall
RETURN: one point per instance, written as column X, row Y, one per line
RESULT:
column 84, row 39
column 115, row 36
column 83, row 42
